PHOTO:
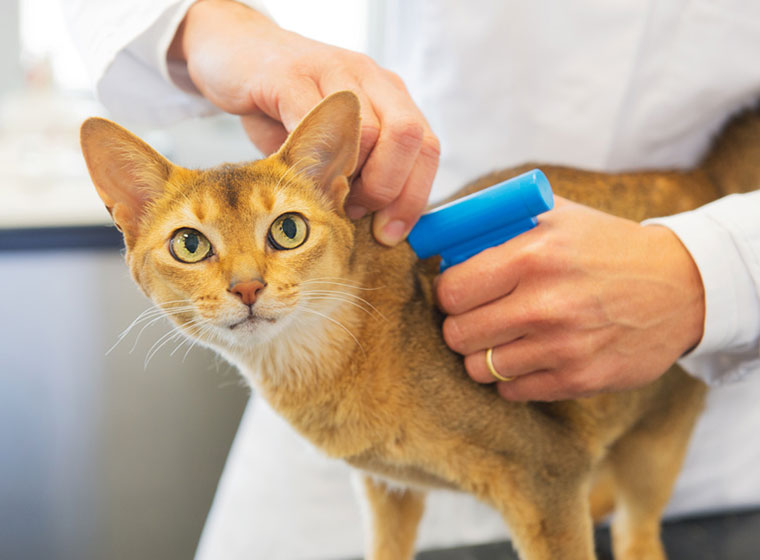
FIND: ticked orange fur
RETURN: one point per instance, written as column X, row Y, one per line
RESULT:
column 344, row 338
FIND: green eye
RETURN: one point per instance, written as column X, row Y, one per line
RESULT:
column 189, row 246
column 288, row 231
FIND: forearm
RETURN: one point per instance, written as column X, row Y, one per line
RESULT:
column 213, row 41
column 124, row 45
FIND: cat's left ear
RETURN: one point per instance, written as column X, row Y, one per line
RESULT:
column 127, row 173
column 325, row 145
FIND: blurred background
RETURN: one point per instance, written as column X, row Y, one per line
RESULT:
column 102, row 454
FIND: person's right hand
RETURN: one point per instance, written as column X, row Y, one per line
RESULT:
column 246, row 65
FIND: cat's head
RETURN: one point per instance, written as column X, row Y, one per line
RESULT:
column 232, row 253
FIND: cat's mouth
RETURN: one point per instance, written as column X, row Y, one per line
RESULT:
column 251, row 321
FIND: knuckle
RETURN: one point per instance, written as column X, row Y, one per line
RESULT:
column 407, row 132
column 296, row 68
column 453, row 335
column 576, row 383
column 395, row 79
column 473, row 367
column 446, row 294
column 379, row 193
column 530, row 257
column 431, row 148
column 360, row 61
column 536, row 314
column 370, row 132
column 415, row 199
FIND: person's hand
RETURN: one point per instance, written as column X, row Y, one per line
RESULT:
column 584, row 303
column 246, row 65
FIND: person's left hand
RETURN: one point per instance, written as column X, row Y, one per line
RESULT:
column 584, row 303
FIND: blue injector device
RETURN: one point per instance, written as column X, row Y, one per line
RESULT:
column 465, row 227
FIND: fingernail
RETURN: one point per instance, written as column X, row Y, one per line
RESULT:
column 355, row 211
column 393, row 232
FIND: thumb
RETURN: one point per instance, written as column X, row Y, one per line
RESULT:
column 266, row 134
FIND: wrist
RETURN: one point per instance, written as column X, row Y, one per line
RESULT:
column 206, row 17
column 678, row 268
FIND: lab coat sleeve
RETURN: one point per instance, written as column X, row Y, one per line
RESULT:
column 123, row 44
column 723, row 238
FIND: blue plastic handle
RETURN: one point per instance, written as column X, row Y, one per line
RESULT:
column 462, row 228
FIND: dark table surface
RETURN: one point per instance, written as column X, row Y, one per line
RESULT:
column 733, row 536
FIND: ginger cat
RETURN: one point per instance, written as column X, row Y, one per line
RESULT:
column 341, row 335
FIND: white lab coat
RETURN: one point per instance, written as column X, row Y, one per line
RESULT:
column 603, row 85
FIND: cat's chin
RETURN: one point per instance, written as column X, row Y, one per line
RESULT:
column 252, row 323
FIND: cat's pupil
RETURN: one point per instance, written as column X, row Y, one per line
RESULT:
column 191, row 242
column 289, row 227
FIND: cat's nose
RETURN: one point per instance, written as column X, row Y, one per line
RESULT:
column 248, row 292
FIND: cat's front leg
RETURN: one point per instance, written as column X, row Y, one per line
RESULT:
column 394, row 513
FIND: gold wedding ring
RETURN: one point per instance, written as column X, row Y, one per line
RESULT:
column 489, row 363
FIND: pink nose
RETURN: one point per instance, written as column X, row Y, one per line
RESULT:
column 248, row 292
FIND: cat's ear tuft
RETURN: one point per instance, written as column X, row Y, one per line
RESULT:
column 325, row 145
column 126, row 172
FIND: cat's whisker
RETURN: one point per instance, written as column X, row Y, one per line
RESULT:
column 168, row 337
column 171, row 335
column 334, row 298
column 184, row 341
column 338, row 323
column 187, row 338
column 354, row 297
column 145, row 326
column 207, row 331
column 206, row 328
column 351, row 299
column 151, row 314
column 160, row 343
column 148, row 313
column 343, row 282
column 162, row 315
column 195, row 341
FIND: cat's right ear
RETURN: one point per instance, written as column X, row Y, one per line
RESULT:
column 325, row 145
column 126, row 172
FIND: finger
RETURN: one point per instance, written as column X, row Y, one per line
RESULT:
column 266, row 133
column 390, row 162
column 370, row 122
column 278, row 113
column 370, row 132
column 392, row 223
column 517, row 359
column 558, row 383
column 495, row 272
column 370, row 128
column 401, row 134
column 537, row 386
column 552, row 385
column 493, row 324
column 292, row 101
column 340, row 79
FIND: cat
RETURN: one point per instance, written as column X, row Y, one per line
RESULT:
column 343, row 338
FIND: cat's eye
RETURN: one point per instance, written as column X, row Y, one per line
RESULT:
column 288, row 231
column 189, row 246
